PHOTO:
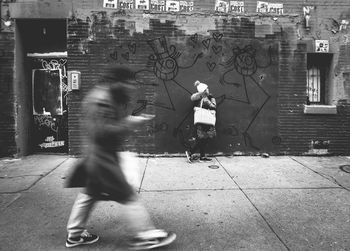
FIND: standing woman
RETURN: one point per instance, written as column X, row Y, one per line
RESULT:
column 203, row 132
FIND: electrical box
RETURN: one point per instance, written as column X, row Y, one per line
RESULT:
column 74, row 80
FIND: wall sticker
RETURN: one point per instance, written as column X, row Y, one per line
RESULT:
column 112, row 4
column 269, row 8
column 321, row 46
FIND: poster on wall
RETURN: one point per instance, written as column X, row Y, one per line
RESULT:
column 186, row 6
column 112, row 4
column 142, row 4
column 275, row 8
column 262, row 7
column 221, row 6
column 237, row 6
column 321, row 46
column 173, row 6
column 272, row 8
column 126, row 4
column 157, row 5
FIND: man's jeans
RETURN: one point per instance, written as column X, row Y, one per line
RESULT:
column 136, row 215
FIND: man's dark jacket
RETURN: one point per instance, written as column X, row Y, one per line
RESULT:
column 99, row 171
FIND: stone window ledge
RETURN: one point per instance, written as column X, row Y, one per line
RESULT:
column 320, row 109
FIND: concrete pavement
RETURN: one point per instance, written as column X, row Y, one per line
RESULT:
column 231, row 203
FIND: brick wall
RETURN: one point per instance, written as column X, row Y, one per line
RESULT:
column 275, row 123
column 208, row 55
column 7, row 112
column 255, row 65
column 299, row 131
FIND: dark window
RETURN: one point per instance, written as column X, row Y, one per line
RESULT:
column 318, row 65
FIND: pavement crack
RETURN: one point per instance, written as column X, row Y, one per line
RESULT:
column 18, row 195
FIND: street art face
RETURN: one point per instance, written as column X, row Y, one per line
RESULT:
column 244, row 61
column 164, row 63
column 166, row 68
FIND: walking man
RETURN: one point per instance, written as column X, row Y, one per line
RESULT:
column 100, row 172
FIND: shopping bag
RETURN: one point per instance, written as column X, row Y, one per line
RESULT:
column 131, row 168
column 204, row 116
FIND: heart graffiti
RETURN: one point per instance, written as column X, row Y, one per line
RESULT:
column 217, row 49
column 217, row 36
column 132, row 48
column 114, row 55
column 125, row 55
column 211, row 65
column 194, row 38
column 206, row 43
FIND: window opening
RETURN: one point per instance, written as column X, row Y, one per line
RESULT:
column 318, row 66
column 314, row 85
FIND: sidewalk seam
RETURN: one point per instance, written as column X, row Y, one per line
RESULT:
column 256, row 208
column 143, row 175
column 326, row 176
column 238, row 189
column 39, row 179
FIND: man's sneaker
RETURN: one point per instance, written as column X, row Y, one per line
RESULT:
column 84, row 239
column 188, row 156
column 151, row 239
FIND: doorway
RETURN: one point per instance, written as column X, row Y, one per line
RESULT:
column 41, row 85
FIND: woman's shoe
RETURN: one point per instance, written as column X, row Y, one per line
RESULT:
column 205, row 159
column 188, row 156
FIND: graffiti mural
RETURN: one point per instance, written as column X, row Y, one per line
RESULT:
column 163, row 64
column 243, row 62
column 242, row 75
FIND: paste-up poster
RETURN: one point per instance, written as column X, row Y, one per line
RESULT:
column 262, row 7
column 275, row 8
column 221, row 6
column 321, row 46
column 126, row 4
column 142, row 4
column 112, row 4
column 237, row 6
column 186, row 6
column 157, row 5
column 173, row 6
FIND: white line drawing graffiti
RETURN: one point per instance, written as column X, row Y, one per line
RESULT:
column 163, row 64
column 56, row 65
column 46, row 121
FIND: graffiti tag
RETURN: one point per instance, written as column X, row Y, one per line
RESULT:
column 46, row 121
column 52, row 144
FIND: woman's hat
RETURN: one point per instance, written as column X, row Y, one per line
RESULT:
column 201, row 87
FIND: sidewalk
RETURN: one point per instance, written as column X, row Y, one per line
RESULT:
column 231, row 203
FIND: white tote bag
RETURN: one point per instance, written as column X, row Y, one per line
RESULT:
column 131, row 168
column 204, row 116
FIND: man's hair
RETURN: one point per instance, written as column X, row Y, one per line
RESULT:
column 120, row 94
column 118, row 74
